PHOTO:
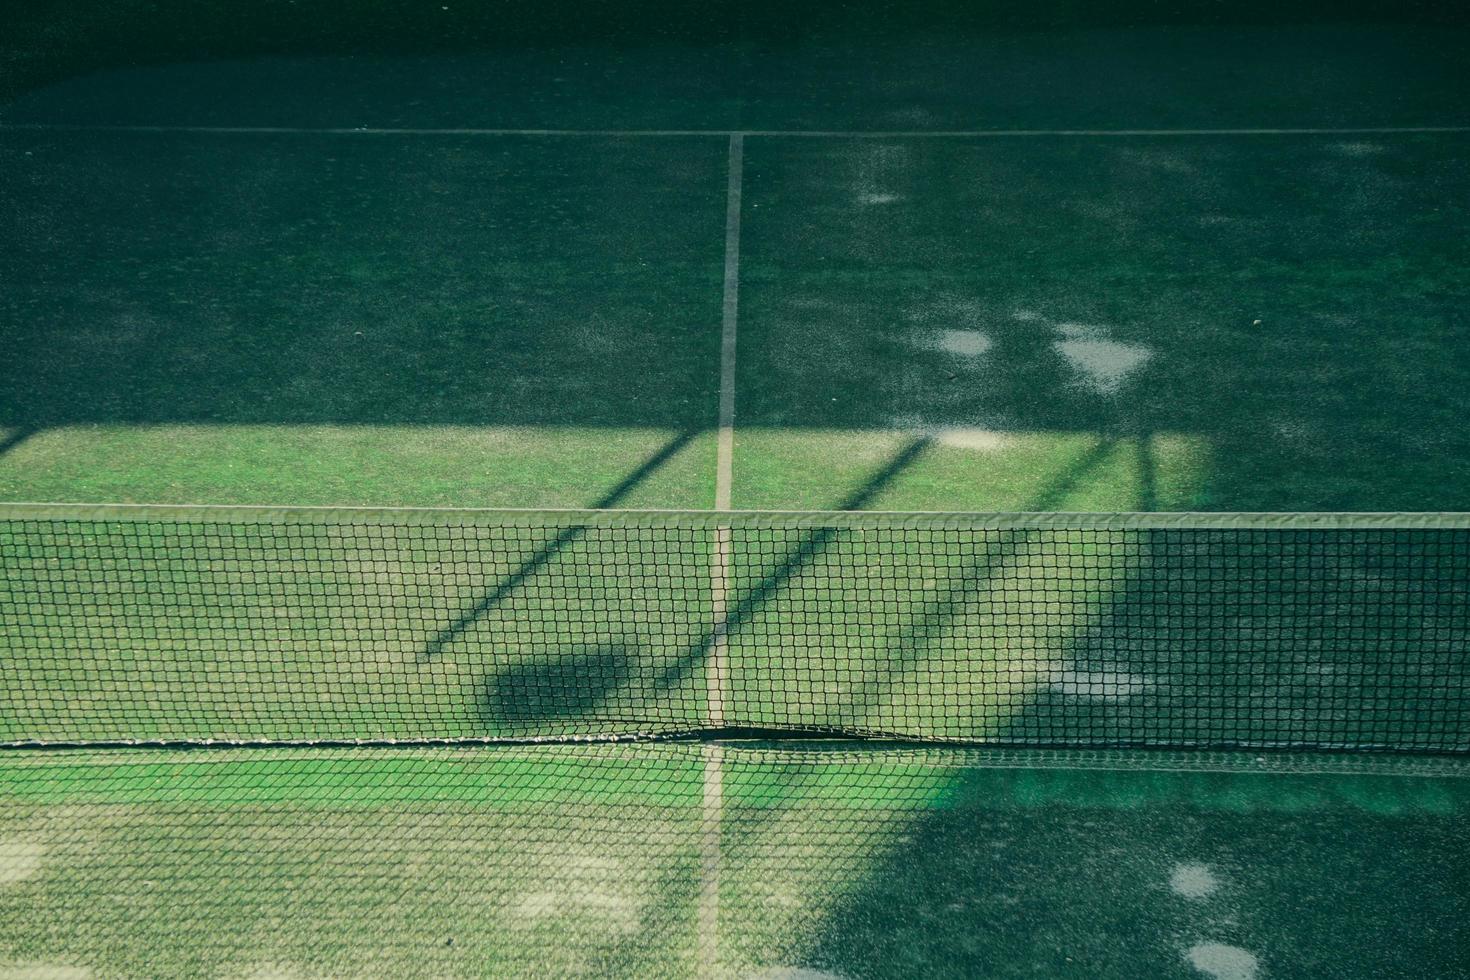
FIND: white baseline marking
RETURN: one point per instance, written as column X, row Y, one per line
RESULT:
column 731, row 133
column 715, row 664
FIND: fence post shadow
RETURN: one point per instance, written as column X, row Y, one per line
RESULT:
column 803, row 554
column 742, row 838
column 551, row 549
column 17, row 436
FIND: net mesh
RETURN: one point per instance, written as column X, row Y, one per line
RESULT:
column 135, row 625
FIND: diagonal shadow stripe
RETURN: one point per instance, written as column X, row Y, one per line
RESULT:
column 814, row 543
column 679, row 667
column 938, row 615
column 811, row 546
column 746, row 842
column 16, row 437
column 549, row 550
column 677, row 670
column 1052, row 496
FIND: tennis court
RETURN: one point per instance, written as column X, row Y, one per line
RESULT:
column 647, row 278
column 924, row 323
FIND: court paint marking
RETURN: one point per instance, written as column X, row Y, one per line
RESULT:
column 731, row 133
column 19, row 860
column 729, row 320
column 710, row 857
column 715, row 663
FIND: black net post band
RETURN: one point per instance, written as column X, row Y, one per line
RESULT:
column 160, row 625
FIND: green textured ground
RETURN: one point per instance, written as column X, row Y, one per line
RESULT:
column 1181, row 323
column 1150, row 323
column 371, row 626
column 1063, row 321
column 449, row 322
column 558, row 860
column 1053, row 321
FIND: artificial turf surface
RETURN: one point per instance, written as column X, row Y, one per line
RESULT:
column 453, row 322
column 1151, row 323
column 879, row 862
column 145, row 624
column 1053, row 323
column 1160, row 323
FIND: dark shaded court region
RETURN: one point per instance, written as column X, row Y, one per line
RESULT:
column 808, row 65
column 444, row 321
column 1272, row 322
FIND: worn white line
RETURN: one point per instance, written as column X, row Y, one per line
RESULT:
column 1188, row 131
column 716, row 657
column 716, row 663
column 732, row 133
column 353, row 130
column 725, row 442
column 711, row 857
column 729, row 321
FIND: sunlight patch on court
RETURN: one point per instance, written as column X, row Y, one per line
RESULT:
column 31, row 970
column 598, row 890
column 1223, row 962
column 969, row 468
column 19, row 860
column 363, row 465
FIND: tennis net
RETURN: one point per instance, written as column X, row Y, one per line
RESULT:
column 262, row 625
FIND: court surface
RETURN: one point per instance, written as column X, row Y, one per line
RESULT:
column 1119, row 264
column 568, row 860
column 1098, row 267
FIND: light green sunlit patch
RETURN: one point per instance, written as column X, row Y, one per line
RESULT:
column 167, row 644
column 917, row 634
column 440, row 889
column 333, row 778
column 458, row 466
column 963, row 469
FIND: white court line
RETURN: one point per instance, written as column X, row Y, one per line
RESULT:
column 725, row 441
column 715, row 663
column 729, row 317
column 708, row 937
column 731, row 133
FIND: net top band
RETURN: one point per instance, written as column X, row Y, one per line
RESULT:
column 572, row 517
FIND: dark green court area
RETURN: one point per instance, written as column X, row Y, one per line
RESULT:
column 1166, row 323
column 1133, row 323
column 440, row 323
column 727, row 64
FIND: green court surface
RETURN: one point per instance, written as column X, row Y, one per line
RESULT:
column 325, row 322
column 738, row 64
column 1162, row 323
column 972, row 257
column 1151, row 323
column 349, row 631
column 1209, row 316
column 158, row 625
column 878, row 862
